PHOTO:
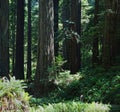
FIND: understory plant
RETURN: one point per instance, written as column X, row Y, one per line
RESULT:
column 13, row 98
column 96, row 85
column 71, row 107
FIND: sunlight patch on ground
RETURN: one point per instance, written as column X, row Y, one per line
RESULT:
column 66, row 78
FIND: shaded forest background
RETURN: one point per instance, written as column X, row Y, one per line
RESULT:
column 68, row 49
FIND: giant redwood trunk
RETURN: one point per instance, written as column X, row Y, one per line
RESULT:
column 45, row 57
column 118, row 28
column 117, row 41
column 75, row 55
column 108, row 42
column 4, row 46
column 29, row 42
column 95, row 50
column 19, row 62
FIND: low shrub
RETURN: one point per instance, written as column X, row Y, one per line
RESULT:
column 71, row 107
column 13, row 98
column 98, row 86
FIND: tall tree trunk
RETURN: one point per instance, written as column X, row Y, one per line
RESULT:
column 109, row 34
column 75, row 55
column 56, row 6
column 95, row 50
column 116, row 50
column 19, row 64
column 29, row 42
column 45, row 57
column 118, row 28
column 4, row 41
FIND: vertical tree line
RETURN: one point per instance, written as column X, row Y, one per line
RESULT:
column 109, row 36
column 95, row 50
column 4, row 40
column 29, row 42
column 75, row 17
column 50, row 24
column 45, row 56
column 19, row 62
column 71, row 47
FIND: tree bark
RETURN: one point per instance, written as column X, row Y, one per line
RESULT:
column 75, row 55
column 45, row 57
column 108, row 45
column 95, row 50
column 4, row 41
column 19, row 64
column 29, row 42
column 117, row 33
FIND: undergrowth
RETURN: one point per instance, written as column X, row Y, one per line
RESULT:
column 13, row 98
column 96, row 85
column 71, row 107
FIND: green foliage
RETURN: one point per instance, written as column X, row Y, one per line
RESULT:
column 12, row 95
column 64, row 78
column 92, row 85
column 14, row 98
column 96, row 85
column 71, row 107
column 56, row 68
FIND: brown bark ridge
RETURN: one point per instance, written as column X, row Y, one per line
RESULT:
column 45, row 57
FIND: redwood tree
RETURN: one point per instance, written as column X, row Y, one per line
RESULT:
column 118, row 18
column 45, row 57
column 19, row 62
column 4, row 46
column 29, row 42
column 109, row 37
column 95, row 50
column 116, row 50
column 75, row 55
